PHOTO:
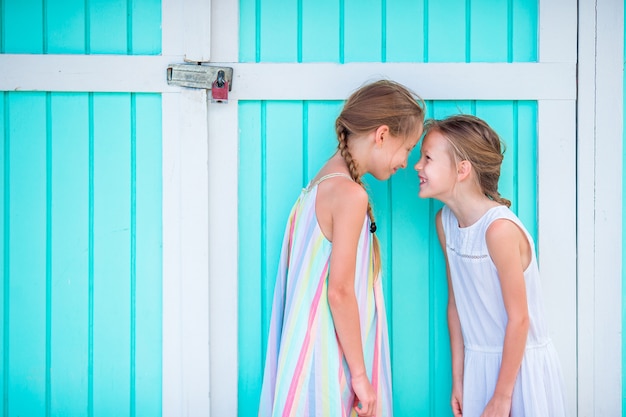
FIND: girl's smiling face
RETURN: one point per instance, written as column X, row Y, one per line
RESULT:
column 436, row 167
column 394, row 154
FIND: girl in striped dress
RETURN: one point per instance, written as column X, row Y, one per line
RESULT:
column 328, row 351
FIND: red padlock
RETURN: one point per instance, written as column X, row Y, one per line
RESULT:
column 219, row 89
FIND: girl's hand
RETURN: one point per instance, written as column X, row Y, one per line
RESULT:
column 498, row 406
column 457, row 401
column 365, row 396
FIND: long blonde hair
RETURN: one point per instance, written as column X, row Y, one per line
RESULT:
column 473, row 140
column 382, row 102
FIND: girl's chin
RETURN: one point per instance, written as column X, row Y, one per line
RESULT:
column 383, row 177
column 423, row 193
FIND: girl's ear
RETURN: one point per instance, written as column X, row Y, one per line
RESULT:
column 464, row 168
column 381, row 133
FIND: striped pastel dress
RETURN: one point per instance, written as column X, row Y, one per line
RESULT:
column 306, row 373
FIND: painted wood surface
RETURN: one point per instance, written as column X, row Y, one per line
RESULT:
column 282, row 144
column 81, row 250
column 81, row 206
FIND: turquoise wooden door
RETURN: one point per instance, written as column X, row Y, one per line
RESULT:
column 283, row 143
column 81, row 219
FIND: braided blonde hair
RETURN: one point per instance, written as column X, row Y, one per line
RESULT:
column 382, row 102
column 473, row 140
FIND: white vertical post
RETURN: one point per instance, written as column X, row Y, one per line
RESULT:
column 223, row 219
column 557, row 190
column 600, row 175
column 197, row 30
column 557, row 230
column 185, row 381
column 585, row 180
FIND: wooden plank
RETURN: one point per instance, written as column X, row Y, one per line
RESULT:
column 321, row 141
column 65, row 35
column 523, row 15
column 22, row 31
column 283, row 154
column 185, row 255
column 148, row 269
column 558, row 24
column 223, row 163
column 608, row 205
column 407, row 291
column 446, row 43
column 27, row 260
column 526, row 175
column 4, row 247
column 488, row 39
column 325, row 81
column 172, row 372
column 70, row 254
column 145, row 27
column 248, row 25
column 500, row 116
column 194, row 266
column 250, row 350
column 405, row 24
column 196, row 17
column 320, row 45
column 480, row 81
column 277, row 34
column 362, row 34
column 108, row 28
column 111, row 258
column 223, row 197
column 556, row 243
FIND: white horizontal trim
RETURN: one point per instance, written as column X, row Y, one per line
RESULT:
column 432, row 81
column 293, row 81
column 97, row 73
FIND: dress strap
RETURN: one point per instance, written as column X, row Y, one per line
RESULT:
column 327, row 176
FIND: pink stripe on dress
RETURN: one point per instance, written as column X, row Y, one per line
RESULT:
column 296, row 381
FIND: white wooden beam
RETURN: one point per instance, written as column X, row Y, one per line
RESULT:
column 556, row 219
column 223, row 146
column 585, row 205
column 287, row 81
column 186, row 338
column 557, row 31
column 185, row 256
column 558, row 23
column 172, row 370
column 432, row 81
column 197, row 30
column 608, row 205
column 600, row 179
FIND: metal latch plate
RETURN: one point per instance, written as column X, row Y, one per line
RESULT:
column 197, row 76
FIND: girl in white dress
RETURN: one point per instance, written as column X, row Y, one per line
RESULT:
column 503, row 362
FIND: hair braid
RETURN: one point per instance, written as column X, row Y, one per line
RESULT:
column 379, row 103
column 354, row 173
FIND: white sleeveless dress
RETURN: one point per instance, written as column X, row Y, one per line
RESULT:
column 539, row 389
